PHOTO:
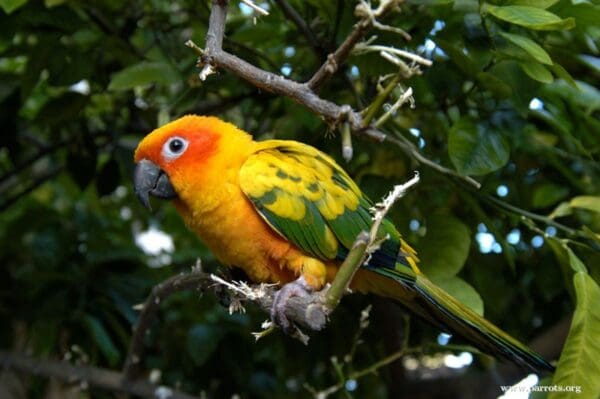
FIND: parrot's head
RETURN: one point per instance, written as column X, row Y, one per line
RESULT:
column 171, row 156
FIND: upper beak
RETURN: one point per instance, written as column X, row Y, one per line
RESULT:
column 149, row 179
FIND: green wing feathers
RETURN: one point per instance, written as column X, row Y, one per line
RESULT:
column 309, row 200
column 306, row 197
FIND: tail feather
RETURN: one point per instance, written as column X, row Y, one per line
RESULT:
column 441, row 309
column 482, row 333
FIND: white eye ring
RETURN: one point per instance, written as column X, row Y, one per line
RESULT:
column 174, row 147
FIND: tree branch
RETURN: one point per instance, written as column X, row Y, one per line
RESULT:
column 214, row 56
column 87, row 376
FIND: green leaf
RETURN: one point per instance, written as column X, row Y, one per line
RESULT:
column 548, row 194
column 462, row 291
column 579, row 363
column 563, row 74
column 11, row 5
column 589, row 202
column 541, row 394
column 143, row 74
column 202, row 341
column 445, row 247
column 102, row 339
column 575, row 263
column 531, row 47
column 537, row 71
column 529, row 17
column 475, row 150
column 533, row 3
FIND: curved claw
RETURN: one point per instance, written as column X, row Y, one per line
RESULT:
column 298, row 287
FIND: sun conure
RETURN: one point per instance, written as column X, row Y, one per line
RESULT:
column 286, row 213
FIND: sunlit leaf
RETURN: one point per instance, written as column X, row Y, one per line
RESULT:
column 537, row 71
column 531, row 47
column 532, row 3
column 529, row 17
column 589, row 202
column 576, row 263
column 579, row 363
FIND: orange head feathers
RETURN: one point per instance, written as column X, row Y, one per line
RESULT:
column 184, row 151
column 190, row 138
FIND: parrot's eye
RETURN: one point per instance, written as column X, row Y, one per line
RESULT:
column 174, row 147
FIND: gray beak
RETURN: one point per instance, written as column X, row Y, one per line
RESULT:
column 149, row 179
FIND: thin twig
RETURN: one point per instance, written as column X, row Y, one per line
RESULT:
column 366, row 48
column 381, row 209
column 380, row 100
column 412, row 150
column 372, row 369
column 339, row 56
column 405, row 97
column 530, row 215
column 255, row 8
column 302, row 93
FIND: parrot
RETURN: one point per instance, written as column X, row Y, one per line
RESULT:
column 287, row 213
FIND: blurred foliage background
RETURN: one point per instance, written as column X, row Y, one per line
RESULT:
column 511, row 99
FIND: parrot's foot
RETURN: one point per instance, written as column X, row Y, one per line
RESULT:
column 298, row 287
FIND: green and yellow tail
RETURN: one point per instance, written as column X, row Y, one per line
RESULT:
column 435, row 305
